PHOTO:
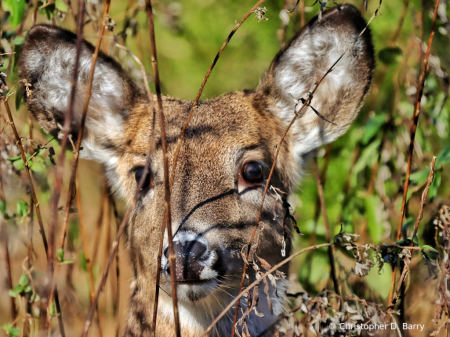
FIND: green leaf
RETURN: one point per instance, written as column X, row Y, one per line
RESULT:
column 407, row 223
column 61, row 6
column 18, row 164
column 12, row 293
column 434, row 188
column 431, row 252
column 443, row 157
column 19, row 98
column 36, row 298
column 18, row 40
column 407, row 242
column 420, row 176
column 22, row 208
column 390, row 55
column 3, row 207
column 60, row 254
column 27, row 289
column 368, row 156
column 67, row 262
column 18, row 289
column 23, row 281
column 10, row 330
column 13, row 159
column 83, row 262
column 37, row 167
column 372, row 127
column 48, row 11
column 16, row 8
column 373, row 218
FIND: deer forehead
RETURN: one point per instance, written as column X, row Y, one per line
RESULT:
column 222, row 133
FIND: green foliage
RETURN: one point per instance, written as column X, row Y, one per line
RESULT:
column 47, row 9
column 21, row 288
column 60, row 254
column 16, row 9
column 22, row 208
column 390, row 55
column 443, row 157
column 374, row 225
column 3, row 207
column 373, row 127
column 10, row 330
column 372, row 154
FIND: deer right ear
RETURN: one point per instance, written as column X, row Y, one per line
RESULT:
column 47, row 63
column 296, row 70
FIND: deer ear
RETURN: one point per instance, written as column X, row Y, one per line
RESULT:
column 47, row 63
column 297, row 68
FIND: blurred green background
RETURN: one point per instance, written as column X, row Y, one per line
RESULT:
column 365, row 169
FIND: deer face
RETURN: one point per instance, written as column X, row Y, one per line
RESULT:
column 223, row 165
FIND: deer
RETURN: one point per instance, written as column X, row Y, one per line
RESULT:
column 223, row 165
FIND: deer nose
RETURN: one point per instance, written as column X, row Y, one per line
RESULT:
column 194, row 260
column 193, row 249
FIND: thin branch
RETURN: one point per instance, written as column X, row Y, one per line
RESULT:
column 67, row 122
column 167, row 215
column 177, row 151
column 256, row 282
column 327, row 227
column 297, row 114
column 36, row 204
column 4, row 239
column 82, row 124
column 141, row 67
column 415, row 120
column 197, row 98
column 52, row 274
column 424, row 198
column 86, row 249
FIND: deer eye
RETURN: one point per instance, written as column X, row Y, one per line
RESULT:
column 252, row 172
column 148, row 180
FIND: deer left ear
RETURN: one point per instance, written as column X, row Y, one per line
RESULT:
column 296, row 70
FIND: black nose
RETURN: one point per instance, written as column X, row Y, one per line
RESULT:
column 191, row 259
column 188, row 250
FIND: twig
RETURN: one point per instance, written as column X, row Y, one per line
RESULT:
column 256, row 282
column 424, row 198
column 86, row 249
column 51, row 282
column 373, row 98
column 4, row 240
column 35, row 11
column 202, row 86
column 117, row 300
column 298, row 113
column 83, row 122
column 30, row 235
column 327, row 227
column 177, row 150
column 167, row 215
column 36, row 203
column 312, row 238
column 67, row 121
column 415, row 119
column 112, row 253
column 416, row 227
column 141, row 67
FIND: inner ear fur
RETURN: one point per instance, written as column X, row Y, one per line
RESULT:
column 301, row 64
column 47, row 63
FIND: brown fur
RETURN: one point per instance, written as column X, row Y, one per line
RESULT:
column 209, row 195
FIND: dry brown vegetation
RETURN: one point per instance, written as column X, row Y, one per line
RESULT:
column 377, row 199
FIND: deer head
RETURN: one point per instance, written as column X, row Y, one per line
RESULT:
column 223, row 165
